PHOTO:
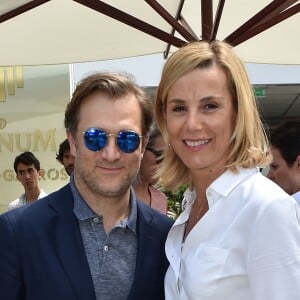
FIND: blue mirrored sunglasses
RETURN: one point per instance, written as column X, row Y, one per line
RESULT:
column 95, row 139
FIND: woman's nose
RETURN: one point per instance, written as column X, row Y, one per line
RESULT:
column 194, row 121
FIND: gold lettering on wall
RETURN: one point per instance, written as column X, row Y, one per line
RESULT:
column 35, row 141
column 50, row 139
column 19, row 77
column 2, row 85
column 27, row 143
column 7, row 142
column 10, row 80
column 51, row 174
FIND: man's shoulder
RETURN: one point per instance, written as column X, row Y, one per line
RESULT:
column 56, row 201
column 37, row 216
column 16, row 203
column 42, row 194
column 21, row 201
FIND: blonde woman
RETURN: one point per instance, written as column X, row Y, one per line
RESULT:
column 239, row 235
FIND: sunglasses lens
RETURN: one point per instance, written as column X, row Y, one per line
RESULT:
column 95, row 139
column 128, row 141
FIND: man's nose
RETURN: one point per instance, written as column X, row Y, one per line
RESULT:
column 111, row 151
column 27, row 174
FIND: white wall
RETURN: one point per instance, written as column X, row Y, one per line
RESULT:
column 147, row 70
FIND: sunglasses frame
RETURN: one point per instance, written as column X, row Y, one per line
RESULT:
column 118, row 139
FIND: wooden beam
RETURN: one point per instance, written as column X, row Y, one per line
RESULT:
column 268, row 24
column 170, row 19
column 132, row 21
column 207, row 18
column 263, row 16
column 217, row 20
column 178, row 14
column 21, row 9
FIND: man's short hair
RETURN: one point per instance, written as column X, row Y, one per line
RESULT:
column 63, row 148
column 113, row 85
column 286, row 139
column 27, row 158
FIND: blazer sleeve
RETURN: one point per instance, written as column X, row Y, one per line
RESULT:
column 10, row 281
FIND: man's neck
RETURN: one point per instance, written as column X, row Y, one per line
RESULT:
column 112, row 210
column 32, row 194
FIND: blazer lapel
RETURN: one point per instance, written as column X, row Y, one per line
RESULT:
column 149, row 243
column 68, row 244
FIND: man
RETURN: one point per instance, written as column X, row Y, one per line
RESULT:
column 92, row 239
column 285, row 168
column 28, row 172
column 65, row 157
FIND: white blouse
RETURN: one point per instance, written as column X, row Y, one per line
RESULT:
column 296, row 196
column 247, row 246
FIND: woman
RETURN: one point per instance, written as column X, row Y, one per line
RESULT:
column 145, row 183
column 239, row 235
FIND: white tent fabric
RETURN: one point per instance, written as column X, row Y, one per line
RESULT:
column 65, row 31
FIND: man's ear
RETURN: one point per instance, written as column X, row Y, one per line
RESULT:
column 298, row 162
column 17, row 176
column 72, row 143
column 40, row 173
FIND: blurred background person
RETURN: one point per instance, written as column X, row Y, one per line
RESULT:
column 145, row 185
column 28, row 172
column 285, row 167
column 65, row 157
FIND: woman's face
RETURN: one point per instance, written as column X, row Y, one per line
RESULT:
column 200, row 119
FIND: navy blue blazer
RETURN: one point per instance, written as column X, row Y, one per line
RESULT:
column 42, row 256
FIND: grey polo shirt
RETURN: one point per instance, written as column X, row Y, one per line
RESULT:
column 111, row 257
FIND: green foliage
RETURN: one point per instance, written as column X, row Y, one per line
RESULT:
column 175, row 201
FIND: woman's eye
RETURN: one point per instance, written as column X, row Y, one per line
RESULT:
column 178, row 108
column 210, row 106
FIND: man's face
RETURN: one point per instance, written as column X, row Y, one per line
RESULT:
column 282, row 174
column 108, row 172
column 68, row 162
column 28, row 175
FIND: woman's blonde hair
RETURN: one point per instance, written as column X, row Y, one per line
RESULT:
column 249, row 143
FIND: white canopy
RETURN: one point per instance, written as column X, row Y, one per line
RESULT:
column 66, row 31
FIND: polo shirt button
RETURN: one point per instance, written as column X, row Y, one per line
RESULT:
column 105, row 248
